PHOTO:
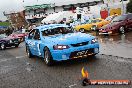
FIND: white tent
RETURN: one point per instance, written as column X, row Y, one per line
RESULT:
column 57, row 17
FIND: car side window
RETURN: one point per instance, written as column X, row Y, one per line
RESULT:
column 31, row 34
column 37, row 35
column 130, row 17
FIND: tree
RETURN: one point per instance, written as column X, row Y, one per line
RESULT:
column 129, row 6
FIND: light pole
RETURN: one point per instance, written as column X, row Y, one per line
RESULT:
column 122, row 6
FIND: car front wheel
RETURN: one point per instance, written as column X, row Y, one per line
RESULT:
column 47, row 57
column 2, row 46
column 29, row 54
column 122, row 29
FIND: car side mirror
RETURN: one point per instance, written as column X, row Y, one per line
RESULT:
column 30, row 36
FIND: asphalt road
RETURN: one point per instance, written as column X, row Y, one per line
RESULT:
column 113, row 62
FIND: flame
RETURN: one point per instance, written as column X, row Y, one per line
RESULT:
column 84, row 73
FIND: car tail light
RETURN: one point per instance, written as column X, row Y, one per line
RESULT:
column 60, row 47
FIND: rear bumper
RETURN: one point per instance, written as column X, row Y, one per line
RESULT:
column 84, row 51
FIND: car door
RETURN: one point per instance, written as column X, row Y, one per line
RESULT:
column 37, row 41
column 30, row 41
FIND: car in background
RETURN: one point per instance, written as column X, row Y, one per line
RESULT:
column 84, row 27
column 19, row 35
column 94, row 24
column 57, row 42
column 119, row 24
column 98, row 23
column 6, row 41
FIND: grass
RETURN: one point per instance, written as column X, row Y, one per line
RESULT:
column 4, row 24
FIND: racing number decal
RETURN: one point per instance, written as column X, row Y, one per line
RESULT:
column 38, row 47
column 30, row 43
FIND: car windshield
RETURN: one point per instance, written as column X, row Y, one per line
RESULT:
column 119, row 18
column 17, row 32
column 109, row 18
column 3, row 36
column 58, row 30
column 95, row 21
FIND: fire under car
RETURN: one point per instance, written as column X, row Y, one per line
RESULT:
column 57, row 42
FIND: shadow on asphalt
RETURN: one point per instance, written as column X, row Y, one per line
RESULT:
column 70, row 62
column 76, row 61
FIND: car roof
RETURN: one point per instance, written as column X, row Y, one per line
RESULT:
column 50, row 26
column 98, row 19
column 127, row 14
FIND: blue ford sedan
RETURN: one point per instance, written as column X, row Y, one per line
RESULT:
column 57, row 42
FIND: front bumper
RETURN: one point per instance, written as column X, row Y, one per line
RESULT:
column 105, row 33
column 90, row 49
column 13, row 43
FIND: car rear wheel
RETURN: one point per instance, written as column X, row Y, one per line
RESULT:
column 29, row 54
column 2, row 46
column 122, row 29
column 82, row 30
column 47, row 57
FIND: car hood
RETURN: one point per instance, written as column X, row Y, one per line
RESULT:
column 95, row 23
column 83, row 25
column 70, row 38
column 18, row 35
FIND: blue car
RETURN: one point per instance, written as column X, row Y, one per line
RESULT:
column 57, row 42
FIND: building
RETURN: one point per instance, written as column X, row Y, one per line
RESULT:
column 35, row 13
column 16, row 19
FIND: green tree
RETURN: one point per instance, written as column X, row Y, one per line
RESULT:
column 129, row 7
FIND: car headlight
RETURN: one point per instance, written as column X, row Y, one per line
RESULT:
column 10, row 41
column 94, row 27
column 19, row 39
column 95, row 40
column 60, row 47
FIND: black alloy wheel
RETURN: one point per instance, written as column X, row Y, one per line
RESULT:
column 122, row 29
column 47, row 57
column 2, row 46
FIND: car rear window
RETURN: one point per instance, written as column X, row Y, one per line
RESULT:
column 3, row 36
column 119, row 18
column 58, row 30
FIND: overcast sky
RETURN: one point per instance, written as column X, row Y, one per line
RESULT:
column 17, row 5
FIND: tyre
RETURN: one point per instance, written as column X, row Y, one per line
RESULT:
column 47, row 57
column 122, row 30
column 82, row 30
column 29, row 54
column 2, row 46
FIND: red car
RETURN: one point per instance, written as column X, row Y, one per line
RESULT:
column 6, row 41
column 19, row 35
column 119, row 24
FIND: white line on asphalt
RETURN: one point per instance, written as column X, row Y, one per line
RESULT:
column 20, row 56
column 72, row 85
column 4, row 59
column 122, row 60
